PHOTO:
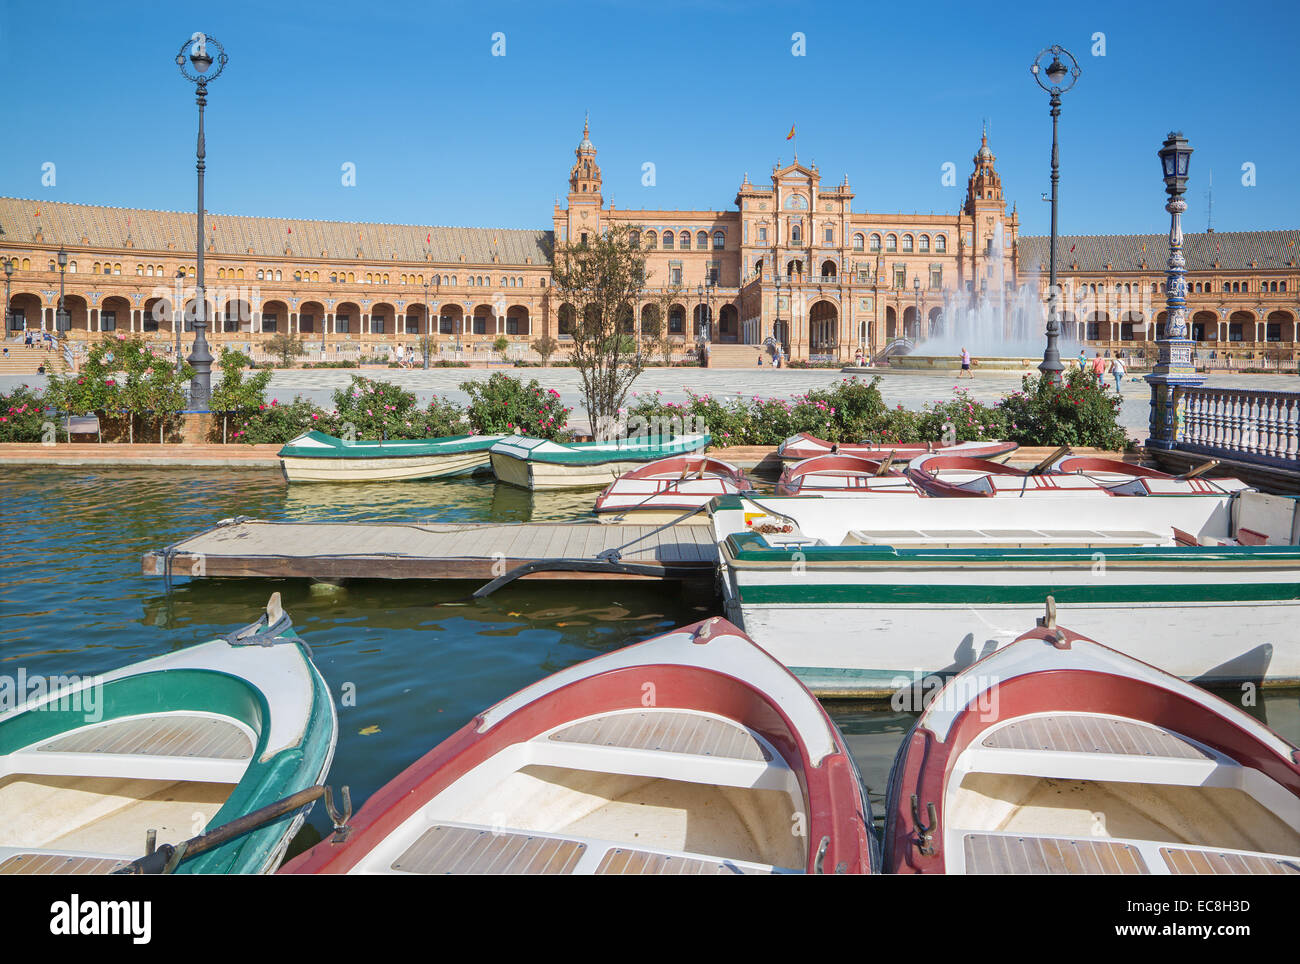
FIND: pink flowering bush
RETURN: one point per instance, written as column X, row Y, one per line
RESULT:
column 21, row 415
column 504, row 404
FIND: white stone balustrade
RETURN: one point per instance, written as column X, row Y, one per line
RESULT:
column 1254, row 426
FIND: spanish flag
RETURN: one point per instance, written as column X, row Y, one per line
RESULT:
column 791, row 134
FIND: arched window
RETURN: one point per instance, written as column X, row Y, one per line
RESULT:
column 334, row 276
column 907, row 243
column 634, row 239
column 297, row 276
column 240, row 274
column 72, row 266
column 351, row 277
column 858, row 242
column 277, row 275
column 924, row 243
column 139, row 269
column 891, row 242
column 27, row 266
column 117, row 267
column 702, row 239
column 719, row 239
column 686, row 240
column 940, row 243
column 668, row 240
column 796, row 233
column 875, row 242
column 471, row 281
column 259, row 275
column 651, row 240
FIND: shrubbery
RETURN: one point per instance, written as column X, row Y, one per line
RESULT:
column 21, row 415
column 503, row 404
column 1083, row 411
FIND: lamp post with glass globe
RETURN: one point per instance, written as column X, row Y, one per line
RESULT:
column 60, row 315
column 1060, row 75
column 200, row 62
column 1173, row 369
column 9, row 272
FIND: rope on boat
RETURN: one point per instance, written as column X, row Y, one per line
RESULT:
column 568, row 565
column 169, row 553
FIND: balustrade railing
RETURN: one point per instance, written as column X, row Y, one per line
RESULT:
column 1254, row 426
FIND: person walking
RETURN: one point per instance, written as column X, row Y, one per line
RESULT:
column 1118, row 370
column 965, row 364
column 1098, row 367
column 1083, row 360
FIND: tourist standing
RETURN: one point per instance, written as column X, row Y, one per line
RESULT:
column 1118, row 370
column 965, row 364
column 1098, row 367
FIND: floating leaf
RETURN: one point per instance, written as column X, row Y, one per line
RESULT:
column 370, row 730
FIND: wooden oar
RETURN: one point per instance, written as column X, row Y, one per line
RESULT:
column 1199, row 470
column 884, row 466
column 1042, row 466
column 164, row 859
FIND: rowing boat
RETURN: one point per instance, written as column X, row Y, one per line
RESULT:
column 805, row 446
column 897, row 585
column 692, row 753
column 844, row 476
column 1056, row 754
column 663, row 490
column 186, row 741
column 534, row 463
column 317, row 457
column 1124, row 478
column 957, row 476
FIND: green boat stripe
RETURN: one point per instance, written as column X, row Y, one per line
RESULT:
column 751, row 547
column 1028, row 595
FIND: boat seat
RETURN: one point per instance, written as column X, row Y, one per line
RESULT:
column 1003, row 852
column 669, row 744
column 1002, row 538
column 1077, row 747
column 177, row 747
column 1092, row 734
column 16, row 861
column 998, row 853
column 179, row 735
column 456, row 848
column 667, row 731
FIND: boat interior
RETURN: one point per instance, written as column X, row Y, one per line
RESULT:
column 1245, row 518
column 645, row 791
column 1094, row 793
column 83, row 800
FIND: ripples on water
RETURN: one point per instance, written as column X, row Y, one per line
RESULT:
column 421, row 657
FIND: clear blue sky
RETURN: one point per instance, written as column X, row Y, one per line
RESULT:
column 442, row 132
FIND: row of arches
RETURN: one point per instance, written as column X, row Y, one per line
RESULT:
column 681, row 240
column 702, row 318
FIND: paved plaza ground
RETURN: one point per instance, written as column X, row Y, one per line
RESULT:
column 910, row 390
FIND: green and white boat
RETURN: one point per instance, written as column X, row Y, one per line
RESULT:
column 317, row 457
column 863, row 597
column 535, row 463
column 180, row 744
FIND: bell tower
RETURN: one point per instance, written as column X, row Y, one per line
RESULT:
column 584, row 198
column 984, row 184
column 985, row 230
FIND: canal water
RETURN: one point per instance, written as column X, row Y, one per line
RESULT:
column 417, row 660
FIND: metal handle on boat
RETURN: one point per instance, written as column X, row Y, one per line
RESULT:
column 924, row 831
column 341, row 829
column 820, row 860
column 164, row 859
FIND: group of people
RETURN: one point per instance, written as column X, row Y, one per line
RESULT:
column 1101, row 366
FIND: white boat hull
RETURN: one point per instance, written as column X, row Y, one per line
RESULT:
column 541, row 476
column 388, row 469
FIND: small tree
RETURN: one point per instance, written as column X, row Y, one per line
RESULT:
column 501, row 346
column 235, row 394
column 546, row 346
column 286, row 347
column 601, row 278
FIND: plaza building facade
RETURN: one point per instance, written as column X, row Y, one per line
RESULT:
column 792, row 269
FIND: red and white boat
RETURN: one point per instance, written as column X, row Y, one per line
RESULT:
column 844, row 475
column 956, row 476
column 1123, row 478
column 1056, row 754
column 692, row 753
column 662, row 490
column 804, row 446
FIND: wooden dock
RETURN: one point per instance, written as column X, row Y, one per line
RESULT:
column 423, row 550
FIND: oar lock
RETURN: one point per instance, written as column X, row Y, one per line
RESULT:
column 340, row 820
column 924, row 831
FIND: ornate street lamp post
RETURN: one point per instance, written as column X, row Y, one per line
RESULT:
column 60, row 316
column 916, row 287
column 178, row 313
column 1060, row 77
column 1173, row 369
column 200, row 62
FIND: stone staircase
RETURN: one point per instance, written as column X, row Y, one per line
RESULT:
column 22, row 360
column 737, row 356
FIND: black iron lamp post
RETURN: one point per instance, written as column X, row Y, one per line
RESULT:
column 1056, row 78
column 61, row 322
column 200, row 73
column 916, row 287
column 1173, row 369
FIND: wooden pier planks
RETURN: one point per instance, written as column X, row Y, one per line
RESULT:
column 418, row 550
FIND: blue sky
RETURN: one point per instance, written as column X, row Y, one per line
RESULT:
column 442, row 132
